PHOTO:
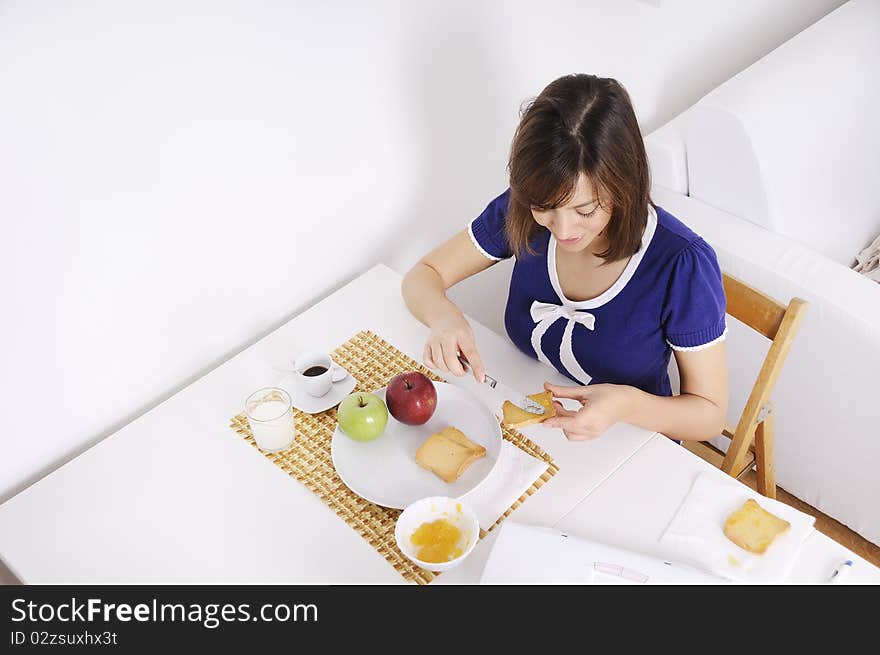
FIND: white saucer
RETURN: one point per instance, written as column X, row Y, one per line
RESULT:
column 310, row 404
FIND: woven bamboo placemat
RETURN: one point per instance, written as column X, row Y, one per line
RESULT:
column 373, row 362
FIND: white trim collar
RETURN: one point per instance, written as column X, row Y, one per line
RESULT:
column 619, row 284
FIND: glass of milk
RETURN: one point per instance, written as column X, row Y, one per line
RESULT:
column 270, row 415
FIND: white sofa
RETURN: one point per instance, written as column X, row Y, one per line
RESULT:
column 779, row 170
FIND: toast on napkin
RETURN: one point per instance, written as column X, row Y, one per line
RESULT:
column 515, row 417
column 448, row 453
column 753, row 528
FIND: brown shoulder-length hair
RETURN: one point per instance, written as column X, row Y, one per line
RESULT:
column 579, row 124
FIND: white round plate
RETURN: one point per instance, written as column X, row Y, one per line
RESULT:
column 384, row 471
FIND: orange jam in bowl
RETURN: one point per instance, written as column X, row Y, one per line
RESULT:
column 436, row 533
column 437, row 541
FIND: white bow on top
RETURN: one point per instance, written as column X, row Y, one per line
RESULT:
column 546, row 314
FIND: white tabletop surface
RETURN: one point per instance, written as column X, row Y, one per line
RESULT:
column 177, row 497
column 632, row 508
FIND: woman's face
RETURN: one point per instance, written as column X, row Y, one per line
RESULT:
column 577, row 225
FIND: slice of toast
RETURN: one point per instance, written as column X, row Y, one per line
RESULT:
column 448, row 453
column 753, row 528
column 515, row 417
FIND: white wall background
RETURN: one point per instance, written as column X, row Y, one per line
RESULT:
column 179, row 178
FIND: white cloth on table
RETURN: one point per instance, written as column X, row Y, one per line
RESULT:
column 514, row 473
column 696, row 533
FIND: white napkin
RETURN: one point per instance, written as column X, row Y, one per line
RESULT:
column 515, row 472
column 696, row 533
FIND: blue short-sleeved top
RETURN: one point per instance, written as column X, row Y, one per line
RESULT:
column 669, row 296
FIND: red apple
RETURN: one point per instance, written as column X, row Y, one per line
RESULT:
column 411, row 398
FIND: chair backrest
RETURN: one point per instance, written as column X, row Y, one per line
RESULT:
column 752, row 438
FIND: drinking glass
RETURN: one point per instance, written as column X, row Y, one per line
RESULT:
column 270, row 414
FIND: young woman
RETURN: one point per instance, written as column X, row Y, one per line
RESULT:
column 606, row 285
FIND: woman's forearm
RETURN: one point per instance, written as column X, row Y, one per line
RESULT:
column 688, row 417
column 425, row 296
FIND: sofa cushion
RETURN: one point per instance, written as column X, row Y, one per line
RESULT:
column 667, row 157
column 791, row 142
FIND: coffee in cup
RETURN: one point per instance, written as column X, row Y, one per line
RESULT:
column 317, row 372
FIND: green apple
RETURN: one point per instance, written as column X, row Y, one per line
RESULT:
column 362, row 416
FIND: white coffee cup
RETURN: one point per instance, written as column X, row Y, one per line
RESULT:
column 317, row 372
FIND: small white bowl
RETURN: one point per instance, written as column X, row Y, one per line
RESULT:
column 428, row 510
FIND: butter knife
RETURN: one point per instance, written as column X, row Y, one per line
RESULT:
column 523, row 402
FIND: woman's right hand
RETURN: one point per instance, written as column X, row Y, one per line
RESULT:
column 450, row 336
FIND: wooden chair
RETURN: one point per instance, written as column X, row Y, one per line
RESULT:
column 751, row 442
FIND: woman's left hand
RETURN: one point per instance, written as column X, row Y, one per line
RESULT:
column 603, row 405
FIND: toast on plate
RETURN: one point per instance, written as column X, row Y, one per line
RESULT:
column 449, row 453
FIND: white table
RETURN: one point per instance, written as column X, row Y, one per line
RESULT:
column 177, row 497
column 632, row 508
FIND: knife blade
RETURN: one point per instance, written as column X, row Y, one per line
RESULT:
column 523, row 402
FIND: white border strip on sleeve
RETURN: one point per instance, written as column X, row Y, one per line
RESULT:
column 477, row 245
column 701, row 347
